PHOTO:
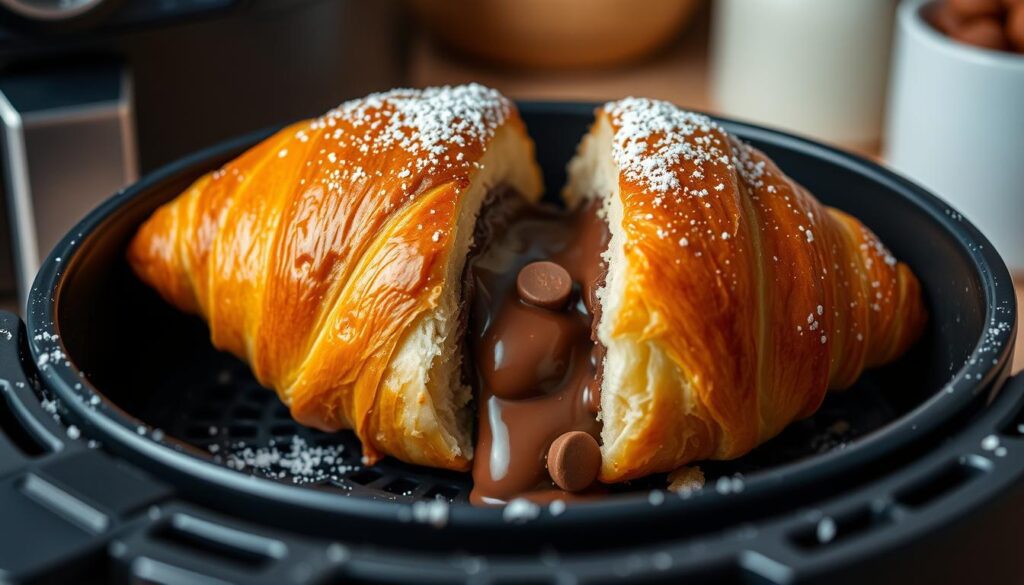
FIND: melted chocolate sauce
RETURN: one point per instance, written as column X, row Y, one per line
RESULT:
column 548, row 360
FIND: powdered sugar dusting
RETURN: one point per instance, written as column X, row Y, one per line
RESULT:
column 653, row 137
column 871, row 241
column 298, row 460
column 433, row 512
column 426, row 123
column 750, row 170
column 520, row 511
column 683, row 162
column 50, row 351
column 416, row 132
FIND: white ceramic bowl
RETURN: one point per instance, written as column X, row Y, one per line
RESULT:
column 956, row 125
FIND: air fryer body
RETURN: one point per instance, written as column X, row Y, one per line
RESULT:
column 178, row 77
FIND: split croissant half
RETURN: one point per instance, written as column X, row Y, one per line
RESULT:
column 330, row 258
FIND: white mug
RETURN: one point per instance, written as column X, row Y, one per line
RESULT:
column 956, row 125
column 817, row 67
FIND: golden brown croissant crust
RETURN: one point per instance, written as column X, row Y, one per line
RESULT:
column 317, row 253
column 734, row 300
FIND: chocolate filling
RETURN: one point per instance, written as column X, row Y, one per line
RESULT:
column 536, row 371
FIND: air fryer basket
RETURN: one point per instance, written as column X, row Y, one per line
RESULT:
column 144, row 380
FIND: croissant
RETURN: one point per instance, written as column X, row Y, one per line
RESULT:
column 388, row 268
column 734, row 299
column 328, row 257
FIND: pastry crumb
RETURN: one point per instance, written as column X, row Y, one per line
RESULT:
column 686, row 479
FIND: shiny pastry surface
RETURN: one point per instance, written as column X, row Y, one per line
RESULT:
column 734, row 299
column 328, row 258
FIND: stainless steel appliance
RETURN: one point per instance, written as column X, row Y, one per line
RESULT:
column 93, row 92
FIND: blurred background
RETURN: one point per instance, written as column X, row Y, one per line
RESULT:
column 95, row 93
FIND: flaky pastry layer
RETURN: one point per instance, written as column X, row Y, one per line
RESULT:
column 734, row 299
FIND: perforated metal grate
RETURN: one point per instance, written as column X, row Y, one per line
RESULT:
column 245, row 427
column 218, row 407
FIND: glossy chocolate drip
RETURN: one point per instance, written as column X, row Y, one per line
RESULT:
column 536, row 369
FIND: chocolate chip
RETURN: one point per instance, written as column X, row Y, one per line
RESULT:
column 1015, row 27
column 544, row 284
column 986, row 33
column 946, row 20
column 574, row 460
column 976, row 8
